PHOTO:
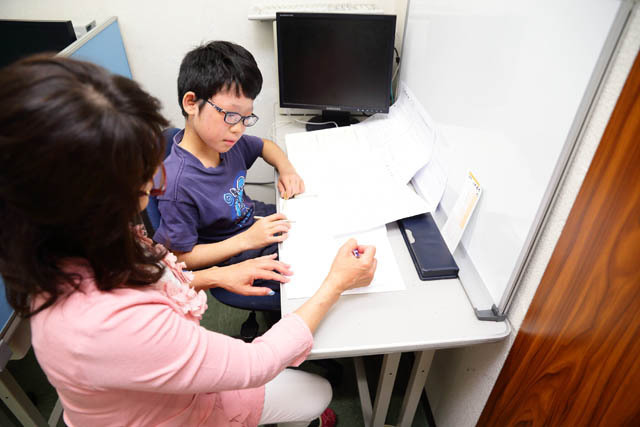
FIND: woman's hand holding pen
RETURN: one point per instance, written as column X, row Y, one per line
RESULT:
column 353, row 267
column 238, row 278
column 265, row 231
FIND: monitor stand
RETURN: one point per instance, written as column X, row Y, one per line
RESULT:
column 329, row 119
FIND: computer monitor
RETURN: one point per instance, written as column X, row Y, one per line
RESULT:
column 339, row 63
column 23, row 38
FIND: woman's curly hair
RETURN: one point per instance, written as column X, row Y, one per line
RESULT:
column 77, row 144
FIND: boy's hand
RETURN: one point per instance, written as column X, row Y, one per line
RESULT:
column 238, row 278
column 290, row 183
column 265, row 231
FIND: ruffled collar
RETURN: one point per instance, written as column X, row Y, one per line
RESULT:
column 175, row 282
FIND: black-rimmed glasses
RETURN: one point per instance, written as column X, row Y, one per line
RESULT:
column 232, row 118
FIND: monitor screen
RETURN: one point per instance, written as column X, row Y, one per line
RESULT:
column 23, row 38
column 335, row 62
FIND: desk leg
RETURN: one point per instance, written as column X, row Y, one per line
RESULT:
column 417, row 381
column 18, row 402
column 385, row 387
column 363, row 391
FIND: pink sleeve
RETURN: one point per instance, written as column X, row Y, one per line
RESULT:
column 151, row 347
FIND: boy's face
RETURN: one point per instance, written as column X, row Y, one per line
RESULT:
column 210, row 125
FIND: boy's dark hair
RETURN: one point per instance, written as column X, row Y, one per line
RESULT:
column 218, row 66
column 77, row 144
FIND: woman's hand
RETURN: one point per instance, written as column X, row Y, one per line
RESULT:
column 238, row 278
column 290, row 183
column 349, row 271
column 265, row 231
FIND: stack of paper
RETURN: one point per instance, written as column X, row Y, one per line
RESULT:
column 357, row 180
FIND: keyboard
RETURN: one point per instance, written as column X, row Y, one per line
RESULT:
column 266, row 10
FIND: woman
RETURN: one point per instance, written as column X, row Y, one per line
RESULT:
column 115, row 321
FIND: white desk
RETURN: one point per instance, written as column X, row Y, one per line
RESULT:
column 428, row 315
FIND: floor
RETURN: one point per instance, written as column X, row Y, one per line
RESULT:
column 227, row 320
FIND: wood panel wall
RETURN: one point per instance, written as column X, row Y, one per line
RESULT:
column 576, row 359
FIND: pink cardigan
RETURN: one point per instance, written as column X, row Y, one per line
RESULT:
column 138, row 357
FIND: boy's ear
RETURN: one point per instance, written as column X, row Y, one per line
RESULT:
column 190, row 103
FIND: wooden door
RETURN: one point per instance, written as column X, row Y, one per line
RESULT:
column 576, row 359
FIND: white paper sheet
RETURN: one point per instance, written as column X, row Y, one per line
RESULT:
column 349, row 177
column 312, row 264
column 431, row 181
column 403, row 139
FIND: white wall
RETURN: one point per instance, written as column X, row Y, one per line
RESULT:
column 461, row 380
column 158, row 33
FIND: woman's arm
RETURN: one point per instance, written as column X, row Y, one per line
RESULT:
column 153, row 348
column 150, row 347
column 238, row 278
column 348, row 271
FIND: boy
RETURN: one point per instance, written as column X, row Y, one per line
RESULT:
column 207, row 218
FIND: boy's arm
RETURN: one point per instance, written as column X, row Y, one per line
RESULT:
column 208, row 254
column 178, row 232
column 263, row 232
column 289, row 182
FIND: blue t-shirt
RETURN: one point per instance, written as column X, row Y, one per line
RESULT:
column 206, row 205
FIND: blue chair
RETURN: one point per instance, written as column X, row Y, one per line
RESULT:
column 267, row 303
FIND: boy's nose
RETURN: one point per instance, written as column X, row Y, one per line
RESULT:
column 238, row 127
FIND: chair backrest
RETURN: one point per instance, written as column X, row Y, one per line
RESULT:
column 152, row 208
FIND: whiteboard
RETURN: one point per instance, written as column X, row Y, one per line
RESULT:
column 505, row 82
